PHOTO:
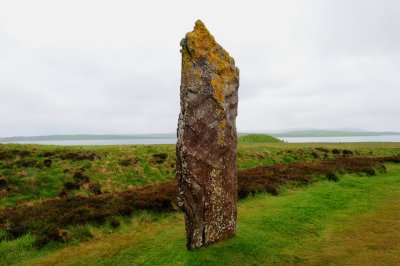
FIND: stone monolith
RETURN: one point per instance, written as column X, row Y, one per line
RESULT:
column 206, row 148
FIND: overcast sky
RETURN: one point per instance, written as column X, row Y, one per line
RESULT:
column 103, row 67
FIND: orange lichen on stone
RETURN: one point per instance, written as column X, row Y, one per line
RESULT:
column 200, row 44
column 221, row 132
column 219, row 91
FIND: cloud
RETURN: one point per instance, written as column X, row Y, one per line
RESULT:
column 102, row 67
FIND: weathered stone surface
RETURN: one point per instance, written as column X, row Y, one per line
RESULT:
column 206, row 148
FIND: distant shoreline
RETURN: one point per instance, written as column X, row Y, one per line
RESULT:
column 154, row 141
column 322, row 133
column 107, row 137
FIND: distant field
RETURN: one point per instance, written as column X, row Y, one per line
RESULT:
column 273, row 229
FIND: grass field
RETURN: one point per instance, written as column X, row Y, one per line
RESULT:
column 351, row 221
column 113, row 168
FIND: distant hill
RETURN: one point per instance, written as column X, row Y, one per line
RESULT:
column 330, row 133
column 257, row 138
column 250, row 137
column 90, row 137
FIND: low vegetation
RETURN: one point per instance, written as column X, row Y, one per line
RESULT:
column 48, row 219
column 64, row 195
column 33, row 172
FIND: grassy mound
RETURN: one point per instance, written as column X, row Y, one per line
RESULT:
column 258, row 138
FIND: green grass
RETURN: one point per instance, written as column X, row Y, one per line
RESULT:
column 308, row 225
column 38, row 182
column 16, row 250
column 274, row 230
column 28, row 183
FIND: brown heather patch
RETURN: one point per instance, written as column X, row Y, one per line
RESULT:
column 269, row 178
column 48, row 219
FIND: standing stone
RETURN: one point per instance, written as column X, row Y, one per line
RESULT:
column 206, row 148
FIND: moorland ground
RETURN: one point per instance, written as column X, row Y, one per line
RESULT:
column 300, row 204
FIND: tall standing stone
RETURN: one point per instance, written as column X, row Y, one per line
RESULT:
column 206, row 148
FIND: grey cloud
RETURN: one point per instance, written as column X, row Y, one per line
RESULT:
column 327, row 64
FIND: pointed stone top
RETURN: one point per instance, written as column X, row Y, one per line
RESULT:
column 200, row 46
column 200, row 37
column 199, row 25
column 200, row 42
